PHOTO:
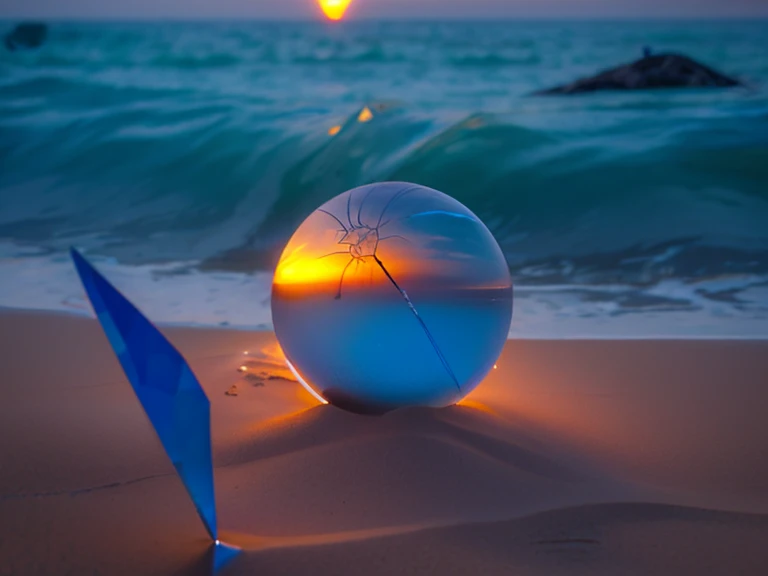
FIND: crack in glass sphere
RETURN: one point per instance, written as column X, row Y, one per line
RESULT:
column 392, row 295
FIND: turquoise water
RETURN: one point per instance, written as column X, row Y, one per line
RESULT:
column 181, row 157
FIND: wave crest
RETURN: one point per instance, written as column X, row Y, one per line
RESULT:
column 563, row 209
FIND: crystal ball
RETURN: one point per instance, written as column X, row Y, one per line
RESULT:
column 392, row 295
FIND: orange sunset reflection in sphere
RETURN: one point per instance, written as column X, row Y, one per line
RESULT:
column 392, row 295
column 334, row 9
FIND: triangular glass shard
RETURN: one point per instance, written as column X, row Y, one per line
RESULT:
column 165, row 385
column 222, row 554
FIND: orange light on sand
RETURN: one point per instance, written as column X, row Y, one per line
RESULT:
column 334, row 130
column 475, row 405
column 365, row 115
column 273, row 355
column 334, row 9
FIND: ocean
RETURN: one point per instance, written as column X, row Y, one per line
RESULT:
column 180, row 157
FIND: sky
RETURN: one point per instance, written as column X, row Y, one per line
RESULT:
column 384, row 9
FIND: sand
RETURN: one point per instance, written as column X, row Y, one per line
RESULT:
column 573, row 457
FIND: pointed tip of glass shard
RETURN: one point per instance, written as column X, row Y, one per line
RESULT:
column 223, row 554
column 169, row 392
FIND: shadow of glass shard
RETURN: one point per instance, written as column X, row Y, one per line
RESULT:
column 170, row 394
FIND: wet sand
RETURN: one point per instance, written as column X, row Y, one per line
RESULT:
column 573, row 457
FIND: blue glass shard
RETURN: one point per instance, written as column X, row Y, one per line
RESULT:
column 222, row 554
column 165, row 385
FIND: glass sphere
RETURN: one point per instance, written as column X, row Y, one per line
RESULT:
column 392, row 295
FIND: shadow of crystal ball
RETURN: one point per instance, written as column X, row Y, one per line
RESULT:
column 392, row 295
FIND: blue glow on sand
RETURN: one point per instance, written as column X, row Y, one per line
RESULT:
column 392, row 295
column 222, row 555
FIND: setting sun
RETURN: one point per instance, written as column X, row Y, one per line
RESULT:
column 334, row 9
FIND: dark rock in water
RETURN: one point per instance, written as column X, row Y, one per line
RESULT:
column 651, row 71
column 26, row 35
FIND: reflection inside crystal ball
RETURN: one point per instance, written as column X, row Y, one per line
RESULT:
column 392, row 295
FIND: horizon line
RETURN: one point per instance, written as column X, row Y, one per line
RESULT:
column 419, row 19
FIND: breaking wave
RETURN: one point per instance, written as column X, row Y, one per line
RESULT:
column 208, row 145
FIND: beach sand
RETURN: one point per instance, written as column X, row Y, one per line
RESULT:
column 573, row 457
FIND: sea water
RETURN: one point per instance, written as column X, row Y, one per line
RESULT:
column 181, row 157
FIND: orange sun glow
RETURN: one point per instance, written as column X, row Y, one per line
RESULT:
column 334, row 9
column 296, row 267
